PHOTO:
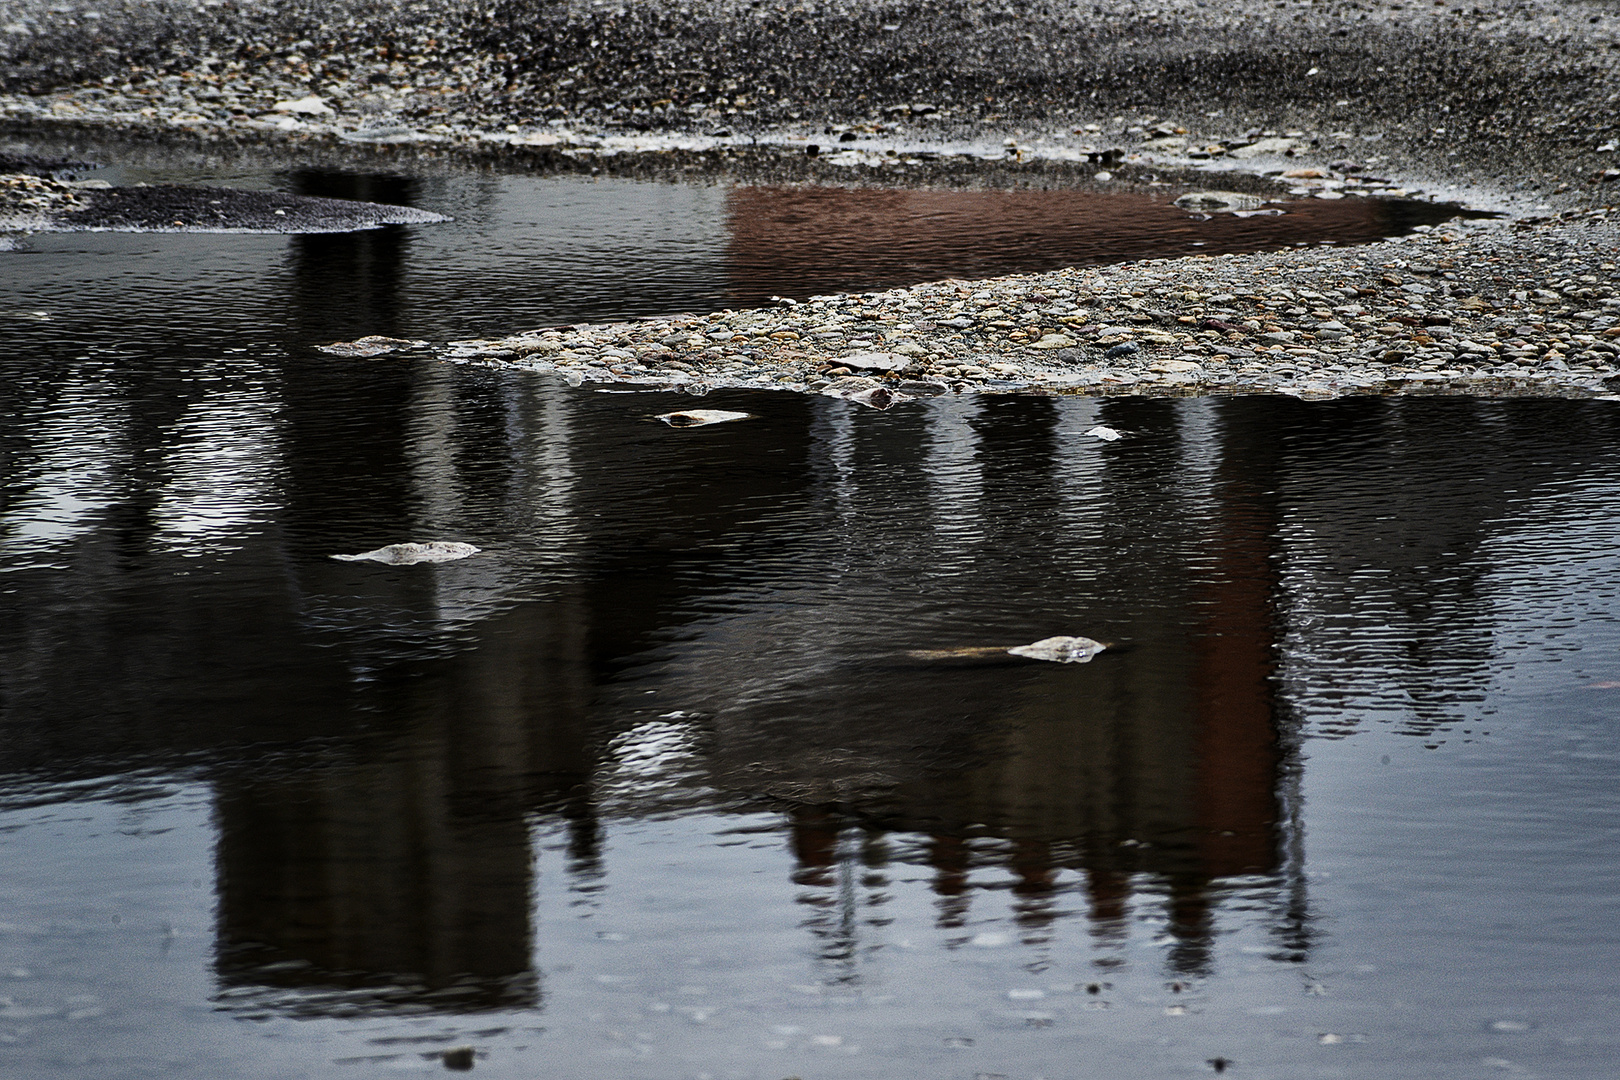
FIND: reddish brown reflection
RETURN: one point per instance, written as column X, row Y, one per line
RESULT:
column 802, row 241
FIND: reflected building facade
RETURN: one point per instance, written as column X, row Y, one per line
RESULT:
column 382, row 741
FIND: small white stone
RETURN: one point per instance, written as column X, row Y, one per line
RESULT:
column 313, row 105
column 408, row 554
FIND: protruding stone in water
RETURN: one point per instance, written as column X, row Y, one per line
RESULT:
column 1061, row 650
column 459, row 1058
column 959, row 652
column 701, row 417
column 1219, row 202
column 371, row 345
column 877, row 397
column 1106, row 434
column 434, row 551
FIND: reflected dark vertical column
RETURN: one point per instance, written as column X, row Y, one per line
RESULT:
column 398, row 872
column 1108, row 892
column 1248, row 737
column 347, row 285
column 816, row 835
column 1017, row 439
column 951, row 859
column 1034, row 890
column 348, row 422
column 1238, row 753
column 1150, row 740
column 1215, row 742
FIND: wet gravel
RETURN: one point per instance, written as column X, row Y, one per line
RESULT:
column 1516, row 96
column 1483, row 308
column 1505, row 106
column 40, row 204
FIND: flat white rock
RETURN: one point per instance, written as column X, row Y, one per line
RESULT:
column 874, row 361
column 373, row 345
column 406, row 554
column 701, row 417
column 1061, row 650
column 312, row 105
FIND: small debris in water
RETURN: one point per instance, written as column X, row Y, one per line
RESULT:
column 1219, row 201
column 459, row 1058
column 1061, row 650
column 371, row 345
column 1106, row 434
column 1510, row 1025
column 877, row 397
column 701, row 417
column 434, row 551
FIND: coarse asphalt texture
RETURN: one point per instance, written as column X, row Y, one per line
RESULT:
column 1510, row 107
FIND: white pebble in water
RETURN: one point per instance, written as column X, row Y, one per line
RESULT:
column 436, row 551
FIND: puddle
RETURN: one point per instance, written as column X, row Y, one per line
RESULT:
column 801, row 241
column 701, row 754
column 700, row 765
column 525, row 251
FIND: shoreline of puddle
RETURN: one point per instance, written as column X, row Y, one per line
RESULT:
column 1394, row 317
column 1408, row 314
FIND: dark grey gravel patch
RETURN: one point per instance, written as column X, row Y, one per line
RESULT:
column 34, row 165
column 173, row 208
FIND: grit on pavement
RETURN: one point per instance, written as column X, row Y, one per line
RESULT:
column 1505, row 107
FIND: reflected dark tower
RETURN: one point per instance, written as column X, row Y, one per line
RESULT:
column 951, row 859
column 399, row 873
column 1162, row 759
column 366, row 268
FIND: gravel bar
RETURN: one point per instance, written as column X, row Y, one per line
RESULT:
column 1487, row 309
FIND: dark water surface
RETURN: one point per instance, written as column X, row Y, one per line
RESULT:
column 651, row 788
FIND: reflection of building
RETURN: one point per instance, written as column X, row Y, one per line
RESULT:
column 381, row 740
column 1164, row 758
column 800, row 241
column 366, row 881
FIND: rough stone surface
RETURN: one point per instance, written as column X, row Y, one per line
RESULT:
column 1518, row 97
column 1511, row 309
